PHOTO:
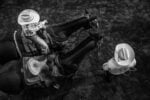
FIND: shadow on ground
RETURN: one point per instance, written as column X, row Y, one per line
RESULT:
column 120, row 21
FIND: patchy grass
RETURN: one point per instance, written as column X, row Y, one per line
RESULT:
column 120, row 21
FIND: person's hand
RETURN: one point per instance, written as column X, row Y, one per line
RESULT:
column 105, row 66
column 42, row 24
column 45, row 51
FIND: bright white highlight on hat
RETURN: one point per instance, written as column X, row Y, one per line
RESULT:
column 35, row 66
column 124, row 54
column 28, row 16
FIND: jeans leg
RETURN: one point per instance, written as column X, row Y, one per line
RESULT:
column 75, row 56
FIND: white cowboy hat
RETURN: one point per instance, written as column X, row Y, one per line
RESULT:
column 35, row 66
column 124, row 55
column 28, row 16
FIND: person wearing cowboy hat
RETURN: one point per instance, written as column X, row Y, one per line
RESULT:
column 25, row 41
column 123, row 60
column 30, row 22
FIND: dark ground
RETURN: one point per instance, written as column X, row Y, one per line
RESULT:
column 120, row 21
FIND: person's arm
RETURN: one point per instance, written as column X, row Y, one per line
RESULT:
column 36, row 39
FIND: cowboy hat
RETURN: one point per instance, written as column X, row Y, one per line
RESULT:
column 36, row 66
column 28, row 16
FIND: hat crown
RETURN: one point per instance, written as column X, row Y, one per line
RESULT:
column 124, row 54
column 27, row 18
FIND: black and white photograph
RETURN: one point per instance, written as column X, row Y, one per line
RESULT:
column 74, row 50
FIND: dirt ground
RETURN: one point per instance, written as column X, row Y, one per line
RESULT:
column 120, row 21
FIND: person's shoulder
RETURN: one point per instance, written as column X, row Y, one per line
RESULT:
column 18, row 31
